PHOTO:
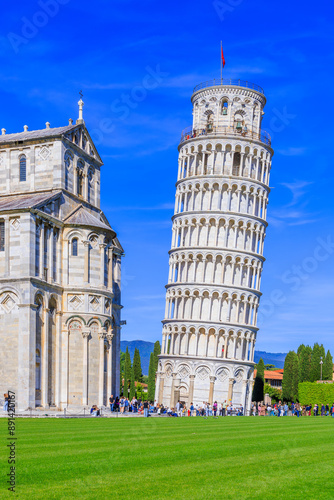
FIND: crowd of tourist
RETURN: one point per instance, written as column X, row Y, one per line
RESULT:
column 124, row 405
column 294, row 409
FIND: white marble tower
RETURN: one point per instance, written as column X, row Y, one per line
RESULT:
column 216, row 258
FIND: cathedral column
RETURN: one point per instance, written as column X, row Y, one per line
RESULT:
column 110, row 268
column 102, row 336
column 59, row 315
column 85, row 335
column 64, row 368
column 41, row 251
column 66, row 262
column 50, row 259
column 86, row 261
column 191, row 389
column 212, row 383
column 26, row 359
column 85, row 176
column 45, row 360
column 59, row 258
column 102, row 263
column 110, row 366
column 7, row 246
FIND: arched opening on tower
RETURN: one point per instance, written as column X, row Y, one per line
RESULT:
column 236, row 163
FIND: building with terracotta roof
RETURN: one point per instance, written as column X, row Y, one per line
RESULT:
column 273, row 377
column 60, row 271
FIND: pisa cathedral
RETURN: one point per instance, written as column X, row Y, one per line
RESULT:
column 216, row 256
column 60, row 271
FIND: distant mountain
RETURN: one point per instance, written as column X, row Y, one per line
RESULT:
column 145, row 349
column 270, row 358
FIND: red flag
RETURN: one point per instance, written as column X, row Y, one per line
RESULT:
column 223, row 58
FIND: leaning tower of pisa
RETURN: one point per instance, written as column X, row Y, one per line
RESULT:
column 216, row 257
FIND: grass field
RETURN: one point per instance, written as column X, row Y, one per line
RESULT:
column 172, row 458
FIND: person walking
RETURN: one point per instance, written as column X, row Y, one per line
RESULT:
column 111, row 403
column 224, row 405
column 215, row 409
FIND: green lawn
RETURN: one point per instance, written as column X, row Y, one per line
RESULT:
column 172, row 458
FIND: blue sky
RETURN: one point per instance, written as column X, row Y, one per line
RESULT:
column 137, row 63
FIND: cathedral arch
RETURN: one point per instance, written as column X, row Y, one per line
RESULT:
column 96, row 319
column 77, row 318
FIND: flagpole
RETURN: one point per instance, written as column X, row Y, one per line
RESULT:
column 221, row 62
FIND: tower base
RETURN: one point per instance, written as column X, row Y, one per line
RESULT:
column 194, row 381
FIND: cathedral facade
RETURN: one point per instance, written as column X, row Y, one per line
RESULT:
column 60, row 271
column 216, row 257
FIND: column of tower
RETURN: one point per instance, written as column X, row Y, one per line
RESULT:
column 216, row 256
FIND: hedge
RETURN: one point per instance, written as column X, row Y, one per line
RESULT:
column 312, row 393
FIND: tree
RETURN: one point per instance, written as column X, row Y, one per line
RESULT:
column 317, row 353
column 151, row 379
column 156, row 352
column 300, row 349
column 127, row 372
column 305, row 357
column 122, row 361
column 273, row 392
column 139, row 390
column 270, row 367
column 290, row 377
column 258, row 389
column 137, row 366
column 327, row 369
column 132, row 384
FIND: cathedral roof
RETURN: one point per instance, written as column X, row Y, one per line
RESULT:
column 81, row 217
column 36, row 134
column 24, row 201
